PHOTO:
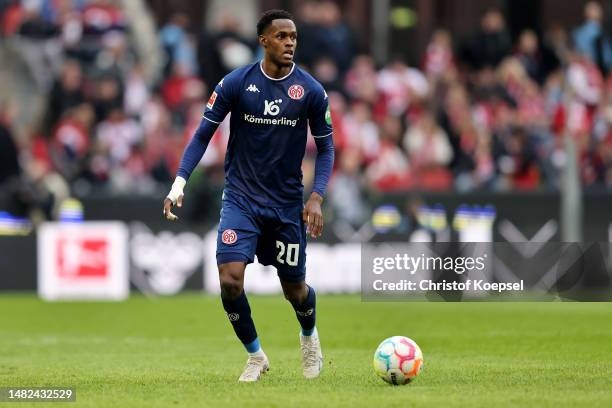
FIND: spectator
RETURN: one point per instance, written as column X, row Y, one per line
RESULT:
column 100, row 17
column 529, row 54
column 429, row 152
column 591, row 40
column 23, row 190
column 585, row 80
column 308, row 27
column 455, row 117
column 327, row 73
column 360, row 80
column 11, row 15
column 557, row 41
column 492, row 43
column 438, row 55
column 337, row 37
column 427, row 144
column 85, row 33
column 496, row 87
column 117, row 135
column 66, row 92
column 113, row 58
column 362, row 132
column 179, row 46
column 401, row 86
column 9, row 152
column 234, row 50
column 179, row 90
column 516, row 161
column 325, row 35
column 482, row 172
column 497, row 124
column 70, row 143
column 347, row 190
column 162, row 150
column 106, row 94
column 136, row 92
column 40, row 46
column 69, row 19
column 390, row 171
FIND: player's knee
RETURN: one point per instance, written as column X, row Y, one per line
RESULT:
column 231, row 288
column 296, row 294
column 231, row 284
column 288, row 296
column 231, row 277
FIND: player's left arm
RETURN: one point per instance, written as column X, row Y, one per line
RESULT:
column 319, row 119
column 218, row 106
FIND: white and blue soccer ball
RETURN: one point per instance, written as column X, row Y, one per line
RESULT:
column 398, row 360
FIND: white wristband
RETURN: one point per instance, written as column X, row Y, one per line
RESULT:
column 177, row 189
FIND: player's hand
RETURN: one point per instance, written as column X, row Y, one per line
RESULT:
column 312, row 215
column 174, row 197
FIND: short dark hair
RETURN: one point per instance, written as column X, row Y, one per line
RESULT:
column 267, row 17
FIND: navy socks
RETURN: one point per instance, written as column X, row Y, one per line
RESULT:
column 239, row 314
column 306, row 312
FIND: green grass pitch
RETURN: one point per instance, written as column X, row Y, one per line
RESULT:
column 181, row 352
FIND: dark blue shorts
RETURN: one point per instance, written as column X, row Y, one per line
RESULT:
column 276, row 235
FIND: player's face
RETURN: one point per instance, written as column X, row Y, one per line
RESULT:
column 279, row 41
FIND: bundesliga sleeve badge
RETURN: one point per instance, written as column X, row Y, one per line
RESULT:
column 211, row 101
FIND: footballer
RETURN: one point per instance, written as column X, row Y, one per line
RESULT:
column 272, row 103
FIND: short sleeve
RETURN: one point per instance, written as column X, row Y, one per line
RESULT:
column 221, row 100
column 319, row 115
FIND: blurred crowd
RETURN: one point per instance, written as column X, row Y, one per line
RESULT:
column 485, row 113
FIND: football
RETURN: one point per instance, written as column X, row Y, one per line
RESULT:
column 398, row 360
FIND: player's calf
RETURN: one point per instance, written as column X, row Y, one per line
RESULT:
column 303, row 299
column 236, row 305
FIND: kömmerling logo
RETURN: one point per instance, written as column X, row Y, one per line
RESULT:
column 271, row 121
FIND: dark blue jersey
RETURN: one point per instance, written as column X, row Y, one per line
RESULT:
column 268, row 130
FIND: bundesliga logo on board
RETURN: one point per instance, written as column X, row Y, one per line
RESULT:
column 296, row 92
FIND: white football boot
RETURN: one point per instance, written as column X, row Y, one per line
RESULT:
column 255, row 367
column 312, row 357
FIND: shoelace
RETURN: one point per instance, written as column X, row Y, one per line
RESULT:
column 252, row 366
column 309, row 351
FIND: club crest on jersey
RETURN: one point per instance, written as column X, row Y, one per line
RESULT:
column 295, row 92
column 211, row 101
column 229, row 237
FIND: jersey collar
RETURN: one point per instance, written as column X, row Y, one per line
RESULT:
column 275, row 79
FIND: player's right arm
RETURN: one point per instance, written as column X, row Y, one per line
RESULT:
column 217, row 108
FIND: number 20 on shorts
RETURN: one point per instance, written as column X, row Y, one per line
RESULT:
column 290, row 253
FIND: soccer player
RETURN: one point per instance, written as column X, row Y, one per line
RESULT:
column 272, row 102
